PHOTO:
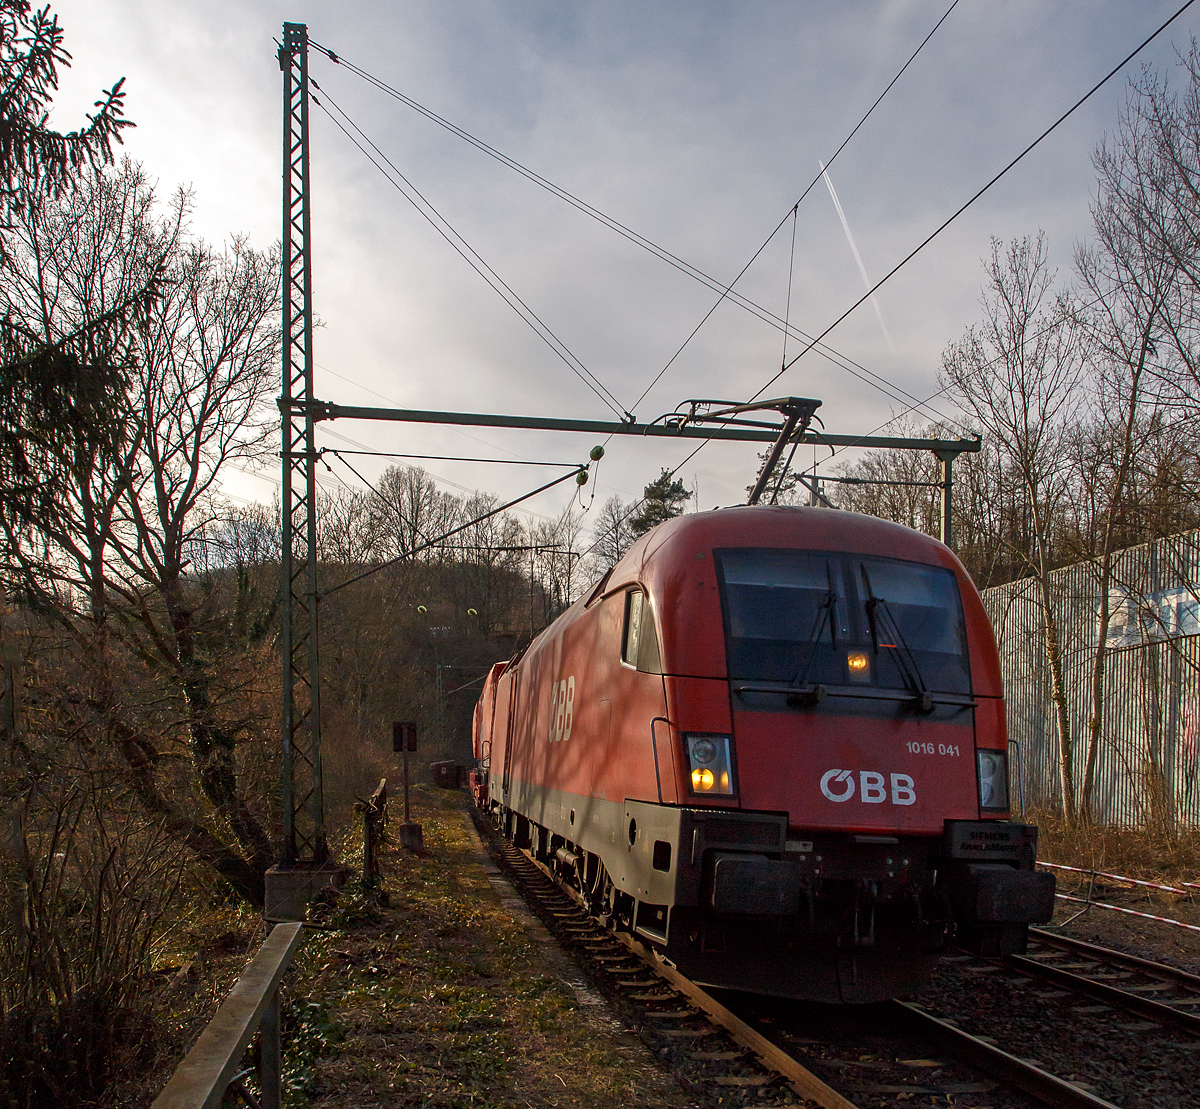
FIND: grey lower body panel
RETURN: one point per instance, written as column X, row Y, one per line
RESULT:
column 652, row 852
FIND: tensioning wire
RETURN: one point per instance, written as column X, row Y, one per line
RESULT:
column 454, row 531
column 451, row 458
column 726, row 290
column 950, row 219
column 469, row 254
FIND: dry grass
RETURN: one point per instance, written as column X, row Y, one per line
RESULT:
column 197, row 966
column 1154, row 855
column 115, row 947
column 443, row 1000
column 440, row 999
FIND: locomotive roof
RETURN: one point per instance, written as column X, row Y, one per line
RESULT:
column 823, row 529
column 674, row 562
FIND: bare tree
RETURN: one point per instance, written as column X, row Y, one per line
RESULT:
column 1132, row 279
column 893, row 485
column 486, row 577
column 346, row 535
column 554, row 564
column 411, row 512
column 206, row 376
column 198, row 374
column 1150, row 201
column 1018, row 376
column 612, row 535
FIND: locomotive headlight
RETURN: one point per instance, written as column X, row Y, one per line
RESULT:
column 704, row 751
column 993, row 780
column 709, row 763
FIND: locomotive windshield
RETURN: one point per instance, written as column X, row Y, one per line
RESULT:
column 833, row 618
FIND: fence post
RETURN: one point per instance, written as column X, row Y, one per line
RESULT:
column 201, row 1080
column 370, row 866
column 270, row 1055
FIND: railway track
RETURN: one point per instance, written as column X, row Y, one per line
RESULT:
column 1155, row 990
column 737, row 1051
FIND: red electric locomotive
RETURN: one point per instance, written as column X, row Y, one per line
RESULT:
column 771, row 741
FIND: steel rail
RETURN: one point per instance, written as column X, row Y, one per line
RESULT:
column 771, row 1057
column 1134, row 962
column 1054, row 1091
column 1161, row 1010
column 1102, row 991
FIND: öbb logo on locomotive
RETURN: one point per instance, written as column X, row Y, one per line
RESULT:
column 838, row 785
column 787, row 767
column 562, row 709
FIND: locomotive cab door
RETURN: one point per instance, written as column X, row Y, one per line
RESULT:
column 506, row 760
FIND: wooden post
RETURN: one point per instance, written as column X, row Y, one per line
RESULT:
column 270, row 1055
column 374, row 810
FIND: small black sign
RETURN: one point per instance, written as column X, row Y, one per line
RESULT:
column 404, row 736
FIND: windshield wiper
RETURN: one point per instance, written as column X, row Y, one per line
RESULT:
column 824, row 612
column 877, row 606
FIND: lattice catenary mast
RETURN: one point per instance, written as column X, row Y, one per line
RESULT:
column 303, row 803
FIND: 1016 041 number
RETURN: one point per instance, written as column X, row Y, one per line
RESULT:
column 933, row 749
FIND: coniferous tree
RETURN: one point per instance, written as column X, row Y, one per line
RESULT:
column 53, row 395
column 663, row 499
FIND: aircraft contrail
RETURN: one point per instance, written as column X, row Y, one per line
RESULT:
column 857, row 257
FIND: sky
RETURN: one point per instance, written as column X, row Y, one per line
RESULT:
column 697, row 124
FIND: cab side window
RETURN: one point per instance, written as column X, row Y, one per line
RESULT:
column 639, row 645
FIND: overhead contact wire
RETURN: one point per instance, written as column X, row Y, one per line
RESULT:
column 726, row 290
column 946, row 223
column 471, row 256
column 813, row 343
column 835, row 451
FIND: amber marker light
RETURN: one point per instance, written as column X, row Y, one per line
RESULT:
column 702, row 779
column 859, row 665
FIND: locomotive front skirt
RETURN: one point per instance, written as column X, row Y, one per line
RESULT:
column 771, row 741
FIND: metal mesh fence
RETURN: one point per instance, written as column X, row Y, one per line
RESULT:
column 1147, row 767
